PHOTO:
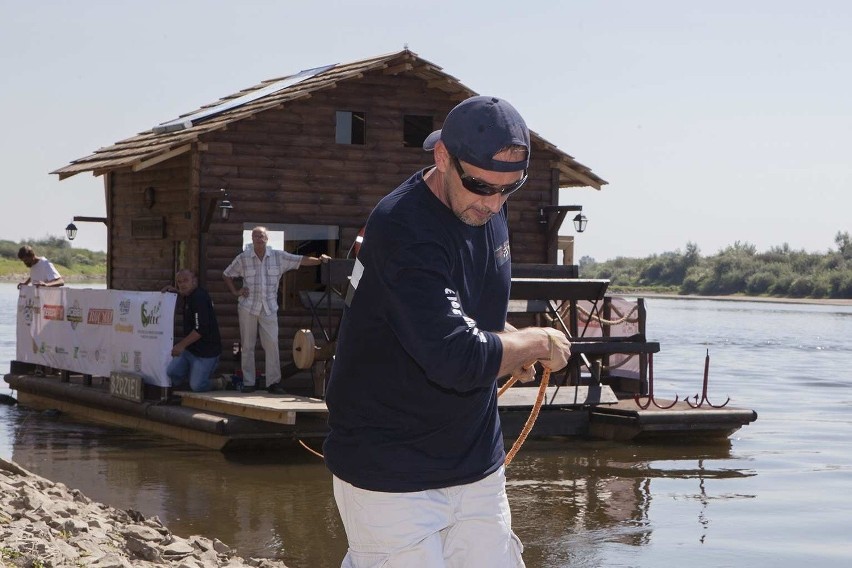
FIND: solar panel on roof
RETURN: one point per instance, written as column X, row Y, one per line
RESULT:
column 189, row 120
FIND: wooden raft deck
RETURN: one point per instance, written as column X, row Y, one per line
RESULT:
column 562, row 416
column 283, row 409
column 626, row 421
column 229, row 420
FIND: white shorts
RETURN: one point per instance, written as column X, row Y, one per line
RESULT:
column 465, row 526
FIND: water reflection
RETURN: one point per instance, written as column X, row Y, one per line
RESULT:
column 578, row 504
column 571, row 501
column 571, row 505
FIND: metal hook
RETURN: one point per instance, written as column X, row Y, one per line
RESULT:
column 704, row 388
column 651, row 399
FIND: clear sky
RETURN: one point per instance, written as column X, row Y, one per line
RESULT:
column 713, row 122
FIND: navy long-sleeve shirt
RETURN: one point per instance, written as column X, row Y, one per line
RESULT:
column 412, row 397
column 199, row 315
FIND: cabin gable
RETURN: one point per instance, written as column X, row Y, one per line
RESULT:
column 316, row 163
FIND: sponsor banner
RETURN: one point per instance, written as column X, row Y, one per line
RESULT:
column 97, row 332
column 143, row 334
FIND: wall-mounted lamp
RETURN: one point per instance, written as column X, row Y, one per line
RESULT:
column 225, row 207
column 553, row 215
column 149, row 197
column 71, row 228
column 214, row 199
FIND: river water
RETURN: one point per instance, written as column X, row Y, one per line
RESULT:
column 777, row 493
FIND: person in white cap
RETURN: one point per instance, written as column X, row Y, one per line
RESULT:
column 415, row 445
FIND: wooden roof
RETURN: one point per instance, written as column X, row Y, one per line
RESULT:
column 153, row 145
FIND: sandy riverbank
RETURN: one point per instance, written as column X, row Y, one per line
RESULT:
column 47, row 524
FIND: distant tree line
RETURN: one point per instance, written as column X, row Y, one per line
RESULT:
column 738, row 269
column 69, row 261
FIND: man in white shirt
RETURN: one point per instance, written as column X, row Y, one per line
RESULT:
column 42, row 271
column 261, row 269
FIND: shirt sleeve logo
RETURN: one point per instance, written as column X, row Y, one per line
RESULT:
column 502, row 254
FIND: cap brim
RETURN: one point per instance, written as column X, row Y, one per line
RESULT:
column 431, row 140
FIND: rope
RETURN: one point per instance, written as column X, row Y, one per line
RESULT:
column 522, row 437
column 316, row 453
column 504, row 388
column 622, row 319
column 565, row 307
column 542, row 388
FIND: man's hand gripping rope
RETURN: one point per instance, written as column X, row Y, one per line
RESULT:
column 559, row 351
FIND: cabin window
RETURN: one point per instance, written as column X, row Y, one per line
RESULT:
column 298, row 286
column 351, row 127
column 415, row 129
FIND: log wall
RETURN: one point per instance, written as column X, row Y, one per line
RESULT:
column 283, row 166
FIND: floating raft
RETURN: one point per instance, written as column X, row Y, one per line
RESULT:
column 230, row 420
column 626, row 421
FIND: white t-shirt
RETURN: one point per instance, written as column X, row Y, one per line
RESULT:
column 43, row 271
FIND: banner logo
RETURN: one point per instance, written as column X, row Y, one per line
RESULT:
column 29, row 311
column 99, row 316
column 54, row 312
column 124, row 307
column 75, row 314
column 152, row 317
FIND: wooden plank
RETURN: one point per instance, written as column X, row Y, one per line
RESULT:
column 85, row 412
column 603, row 347
column 566, row 397
column 525, row 270
column 257, row 406
column 558, row 289
column 142, row 164
column 528, row 307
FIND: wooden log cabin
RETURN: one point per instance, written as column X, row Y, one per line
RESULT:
column 307, row 155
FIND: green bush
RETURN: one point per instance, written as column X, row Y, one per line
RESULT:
column 737, row 269
column 820, row 288
column 691, row 284
column 782, row 285
column 840, row 284
column 801, row 287
column 760, row 283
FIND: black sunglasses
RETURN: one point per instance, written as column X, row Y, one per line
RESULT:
column 480, row 187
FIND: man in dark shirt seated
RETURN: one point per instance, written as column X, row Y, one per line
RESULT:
column 197, row 354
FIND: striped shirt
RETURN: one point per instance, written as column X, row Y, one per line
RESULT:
column 261, row 277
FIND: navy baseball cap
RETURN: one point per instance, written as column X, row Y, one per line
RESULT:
column 478, row 128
